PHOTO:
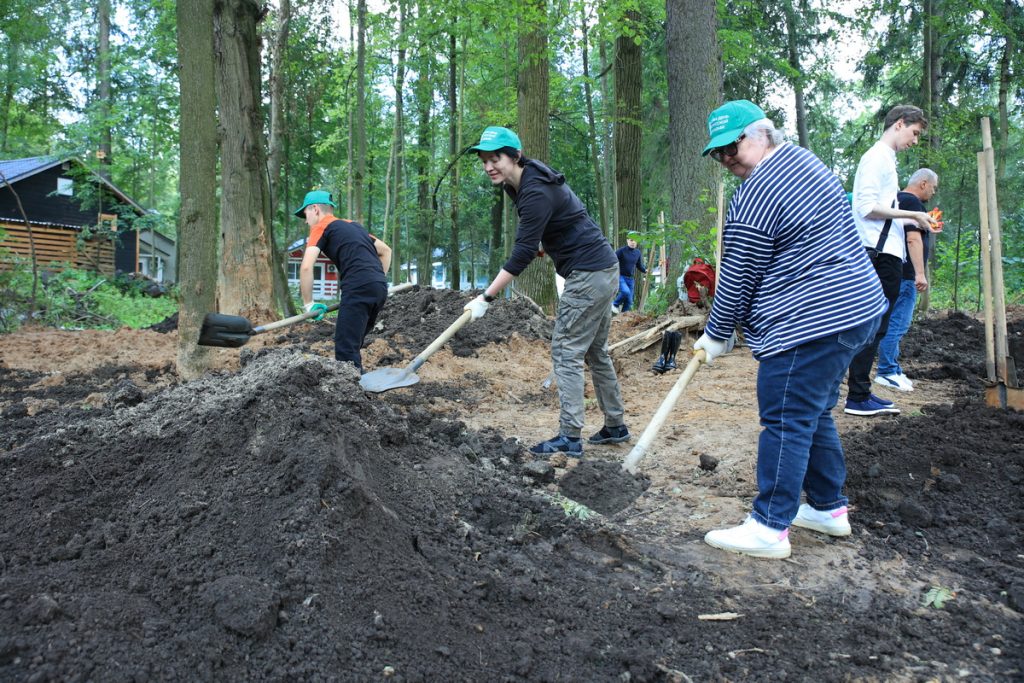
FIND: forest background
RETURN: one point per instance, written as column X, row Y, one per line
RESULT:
column 219, row 116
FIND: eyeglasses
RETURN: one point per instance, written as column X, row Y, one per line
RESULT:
column 718, row 153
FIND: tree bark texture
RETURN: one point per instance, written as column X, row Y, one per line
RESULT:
column 103, row 96
column 246, row 267
column 793, row 56
column 359, row 122
column 533, row 84
column 197, row 183
column 628, row 130
column 694, row 66
column 454, row 253
column 396, row 241
column 592, row 125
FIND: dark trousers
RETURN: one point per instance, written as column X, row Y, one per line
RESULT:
column 357, row 314
column 890, row 274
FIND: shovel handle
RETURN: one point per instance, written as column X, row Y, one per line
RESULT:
column 292, row 320
column 641, row 447
column 306, row 316
column 439, row 342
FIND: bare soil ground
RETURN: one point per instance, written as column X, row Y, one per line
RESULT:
column 272, row 521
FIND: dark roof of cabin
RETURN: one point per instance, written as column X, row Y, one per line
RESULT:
column 18, row 169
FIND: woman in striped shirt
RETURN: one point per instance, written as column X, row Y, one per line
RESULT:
column 795, row 276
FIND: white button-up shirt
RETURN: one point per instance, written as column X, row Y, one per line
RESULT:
column 876, row 183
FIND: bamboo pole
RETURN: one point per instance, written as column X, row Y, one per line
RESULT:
column 998, row 290
column 986, row 272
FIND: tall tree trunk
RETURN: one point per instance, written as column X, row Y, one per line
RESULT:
column 628, row 127
column 592, row 124
column 10, row 85
column 694, row 67
column 278, row 132
column 396, row 240
column 246, row 268
column 1005, row 82
column 359, row 124
column 103, row 95
column 197, row 183
column 453, row 149
column 425, row 210
column 607, row 126
column 793, row 56
column 538, row 280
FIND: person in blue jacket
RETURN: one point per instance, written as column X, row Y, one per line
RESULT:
column 630, row 259
column 552, row 217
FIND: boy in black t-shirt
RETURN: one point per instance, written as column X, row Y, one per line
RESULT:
column 362, row 261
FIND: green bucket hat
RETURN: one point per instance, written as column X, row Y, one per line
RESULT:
column 726, row 123
column 315, row 197
column 496, row 137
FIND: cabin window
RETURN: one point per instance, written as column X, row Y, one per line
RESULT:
column 65, row 187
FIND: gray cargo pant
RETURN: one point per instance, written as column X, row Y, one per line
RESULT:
column 581, row 333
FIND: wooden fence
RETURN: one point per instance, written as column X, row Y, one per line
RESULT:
column 55, row 247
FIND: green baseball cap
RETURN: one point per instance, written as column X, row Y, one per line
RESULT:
column 726, row 123
column 315, row 197
column 496, row 137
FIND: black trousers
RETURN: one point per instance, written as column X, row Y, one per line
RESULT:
column 357, row 314
column 890, row 272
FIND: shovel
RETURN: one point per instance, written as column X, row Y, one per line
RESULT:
column 233, row 331
column 383, row 379
column 641, row 447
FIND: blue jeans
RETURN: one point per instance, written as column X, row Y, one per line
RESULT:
column 625, row 298
column 799, row 446
column 899, row 322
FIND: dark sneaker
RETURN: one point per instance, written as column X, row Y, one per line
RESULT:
column 559, row 444
column 869, row 407
column 610, row 435
column 884, row 401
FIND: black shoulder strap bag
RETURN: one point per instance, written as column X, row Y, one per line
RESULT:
column 873, row 252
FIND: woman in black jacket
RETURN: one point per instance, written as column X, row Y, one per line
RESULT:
column 552, row 216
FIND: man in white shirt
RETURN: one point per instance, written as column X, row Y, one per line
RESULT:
column 880, row 224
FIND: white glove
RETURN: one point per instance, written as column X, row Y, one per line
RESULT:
column 713, row 347
column 477, row 307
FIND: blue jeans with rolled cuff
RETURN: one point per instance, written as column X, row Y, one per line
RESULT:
column 799, row 448
column 625, row 298
column 900, row 317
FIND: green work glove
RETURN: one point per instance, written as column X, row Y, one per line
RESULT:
column 318, row 308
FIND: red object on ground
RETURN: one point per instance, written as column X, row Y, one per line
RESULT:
column 699, row 273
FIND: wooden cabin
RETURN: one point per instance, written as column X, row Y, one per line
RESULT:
column 76, row 217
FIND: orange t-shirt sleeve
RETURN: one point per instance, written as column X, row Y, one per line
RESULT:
column 315, row 233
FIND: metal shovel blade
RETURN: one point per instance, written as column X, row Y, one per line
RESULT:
column 383, row 379
column 230, row 331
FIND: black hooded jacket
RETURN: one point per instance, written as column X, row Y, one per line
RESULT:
column 552, row 215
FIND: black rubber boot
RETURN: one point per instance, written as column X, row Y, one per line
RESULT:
column 659, row 365
column 674, row 342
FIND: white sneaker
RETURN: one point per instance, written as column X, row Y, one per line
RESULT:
column 751, row 538
column 897, row 382
column 832, row 522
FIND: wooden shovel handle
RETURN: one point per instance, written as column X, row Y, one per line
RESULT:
column 640, row 449
column 440, row 341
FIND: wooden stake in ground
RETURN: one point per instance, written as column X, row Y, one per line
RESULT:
column 1006, row 392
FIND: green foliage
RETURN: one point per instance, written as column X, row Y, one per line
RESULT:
column 75, row 299
column 657, row 301
column 938, row 596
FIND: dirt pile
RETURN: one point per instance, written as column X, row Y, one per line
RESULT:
column 953, row 347
column 412, row 319
column 278, row 524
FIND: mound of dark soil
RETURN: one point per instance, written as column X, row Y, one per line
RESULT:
column 946, row 483
column 277, row 524
column 412, row 319
column 418, row 317
column 953, row 347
